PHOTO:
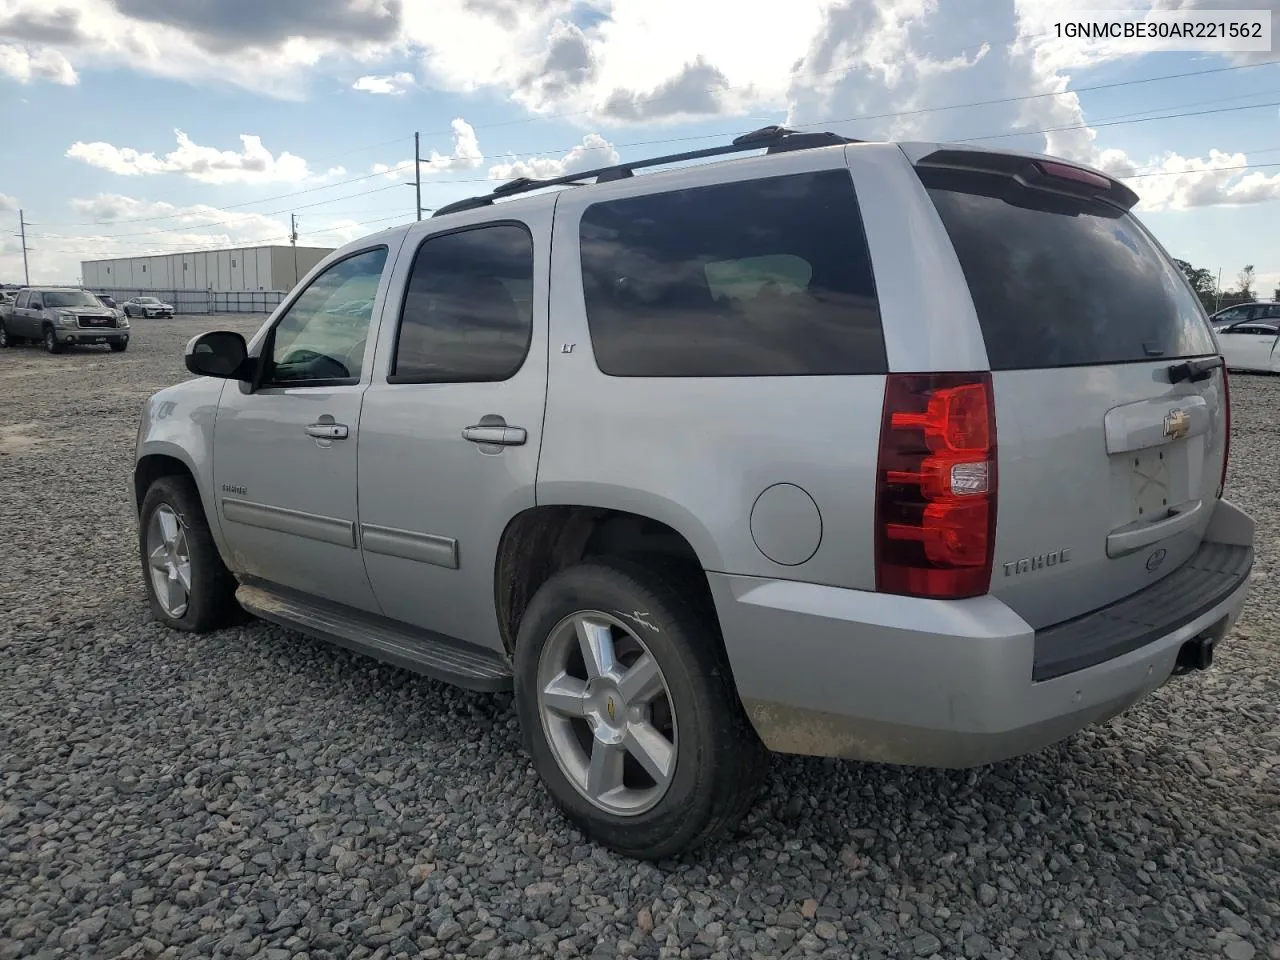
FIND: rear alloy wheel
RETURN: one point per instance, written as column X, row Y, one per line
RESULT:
column 51, row 343
column 628, row 709
column 189, row 586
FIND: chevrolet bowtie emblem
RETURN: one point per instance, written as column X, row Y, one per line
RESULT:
column 1176, row 424
column 609, row 707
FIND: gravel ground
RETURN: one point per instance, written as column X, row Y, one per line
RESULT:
column 255, row 794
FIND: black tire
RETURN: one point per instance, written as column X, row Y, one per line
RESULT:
column 51, row 344
column 5, row 339
column 120, row 347
column 720, row 762
column 211, row 604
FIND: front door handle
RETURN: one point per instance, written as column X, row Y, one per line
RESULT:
column 327, row 431
column 496, row 434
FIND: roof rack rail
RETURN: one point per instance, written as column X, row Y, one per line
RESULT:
column 772, row 139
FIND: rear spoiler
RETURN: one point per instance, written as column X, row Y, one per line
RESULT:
column 1036, row 173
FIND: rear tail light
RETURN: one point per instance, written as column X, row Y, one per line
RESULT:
column 1226, row 436
column 936, row 485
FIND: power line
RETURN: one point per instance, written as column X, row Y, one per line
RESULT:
column 868, row 117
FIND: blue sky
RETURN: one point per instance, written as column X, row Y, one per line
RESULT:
column 309, row 106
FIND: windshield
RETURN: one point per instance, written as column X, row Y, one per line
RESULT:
column 70, row 298
column 147, row 300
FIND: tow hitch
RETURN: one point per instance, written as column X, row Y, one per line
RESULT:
column 1195, row 654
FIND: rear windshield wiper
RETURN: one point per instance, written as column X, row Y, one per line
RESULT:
column 1194, row 370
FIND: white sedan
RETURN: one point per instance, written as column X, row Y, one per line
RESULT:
column 147, row 307
column 1251, row 345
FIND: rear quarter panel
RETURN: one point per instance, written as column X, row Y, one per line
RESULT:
column 696, row 453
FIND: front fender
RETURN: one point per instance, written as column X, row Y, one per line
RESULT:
column 177, row 423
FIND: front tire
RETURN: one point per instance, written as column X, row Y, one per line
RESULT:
column 187, row 583
column 629, row 711
column 51, row 344
column 5, row 339
column 119, row 347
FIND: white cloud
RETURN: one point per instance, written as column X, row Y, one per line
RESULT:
column 466, row 155
column 1185, row 182
column 392, row 84
column 25, row 64
column 8, row 204
column 594, row 151
column 254, row 163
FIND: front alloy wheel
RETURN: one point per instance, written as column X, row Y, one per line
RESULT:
column 169, row 560
column 189, row 586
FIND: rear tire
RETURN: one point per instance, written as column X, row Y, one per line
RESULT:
column 5, row 339
column 51, row 344
column 209, row 586
column 711, row 761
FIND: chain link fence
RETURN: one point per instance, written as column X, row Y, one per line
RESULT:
column 203, row 301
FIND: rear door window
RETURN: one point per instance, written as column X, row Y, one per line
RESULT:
column 1062, row 282
column 767, row 277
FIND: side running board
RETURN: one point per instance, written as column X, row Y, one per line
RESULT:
column 431, row 654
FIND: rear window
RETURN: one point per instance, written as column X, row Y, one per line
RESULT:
column 767, row 277
column 1064, row 282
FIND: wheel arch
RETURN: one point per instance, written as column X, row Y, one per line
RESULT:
column 541, row 541
column 162, row 459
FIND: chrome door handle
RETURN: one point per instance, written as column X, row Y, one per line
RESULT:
column 327, row 431
column 495, row 434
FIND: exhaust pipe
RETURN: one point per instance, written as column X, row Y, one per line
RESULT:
column 1195, row 654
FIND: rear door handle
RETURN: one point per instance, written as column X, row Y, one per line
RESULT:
column 327, row 431
column 495, row 434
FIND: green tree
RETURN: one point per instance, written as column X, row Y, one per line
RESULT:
column 1244, row 280
column 1201, row 281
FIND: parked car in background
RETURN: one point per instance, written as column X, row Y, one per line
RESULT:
column 1245, row 311
column 1250, row 345
column 60, row 317
column 147, row 307
column 717, row 474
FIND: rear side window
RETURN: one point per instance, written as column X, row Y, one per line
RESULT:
column 756, row 278
column 468, row 312
column 1064, row 282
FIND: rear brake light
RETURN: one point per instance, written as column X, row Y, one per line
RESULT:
column 1226, row 437
column 936, row 485
column 1063, row 171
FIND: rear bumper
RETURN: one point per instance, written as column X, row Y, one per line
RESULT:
column 844, row 673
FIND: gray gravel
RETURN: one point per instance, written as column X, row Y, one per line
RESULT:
column 255, row 794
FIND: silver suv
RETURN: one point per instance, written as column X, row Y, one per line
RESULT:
column 60, row 317
column 906, row 453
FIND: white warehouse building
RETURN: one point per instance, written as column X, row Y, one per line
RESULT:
column 240, row 269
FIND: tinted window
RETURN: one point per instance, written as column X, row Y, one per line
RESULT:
column 1060, row 282
column 322, row 335
column 756, row 278
column 467, row 313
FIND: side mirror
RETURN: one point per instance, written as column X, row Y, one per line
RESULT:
column 220, row 353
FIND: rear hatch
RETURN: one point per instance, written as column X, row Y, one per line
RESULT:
column 1110, row 444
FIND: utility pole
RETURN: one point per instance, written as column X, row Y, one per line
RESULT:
column 22, row 231
column 417, row 173
column 293, row 239
column 1217, row 294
